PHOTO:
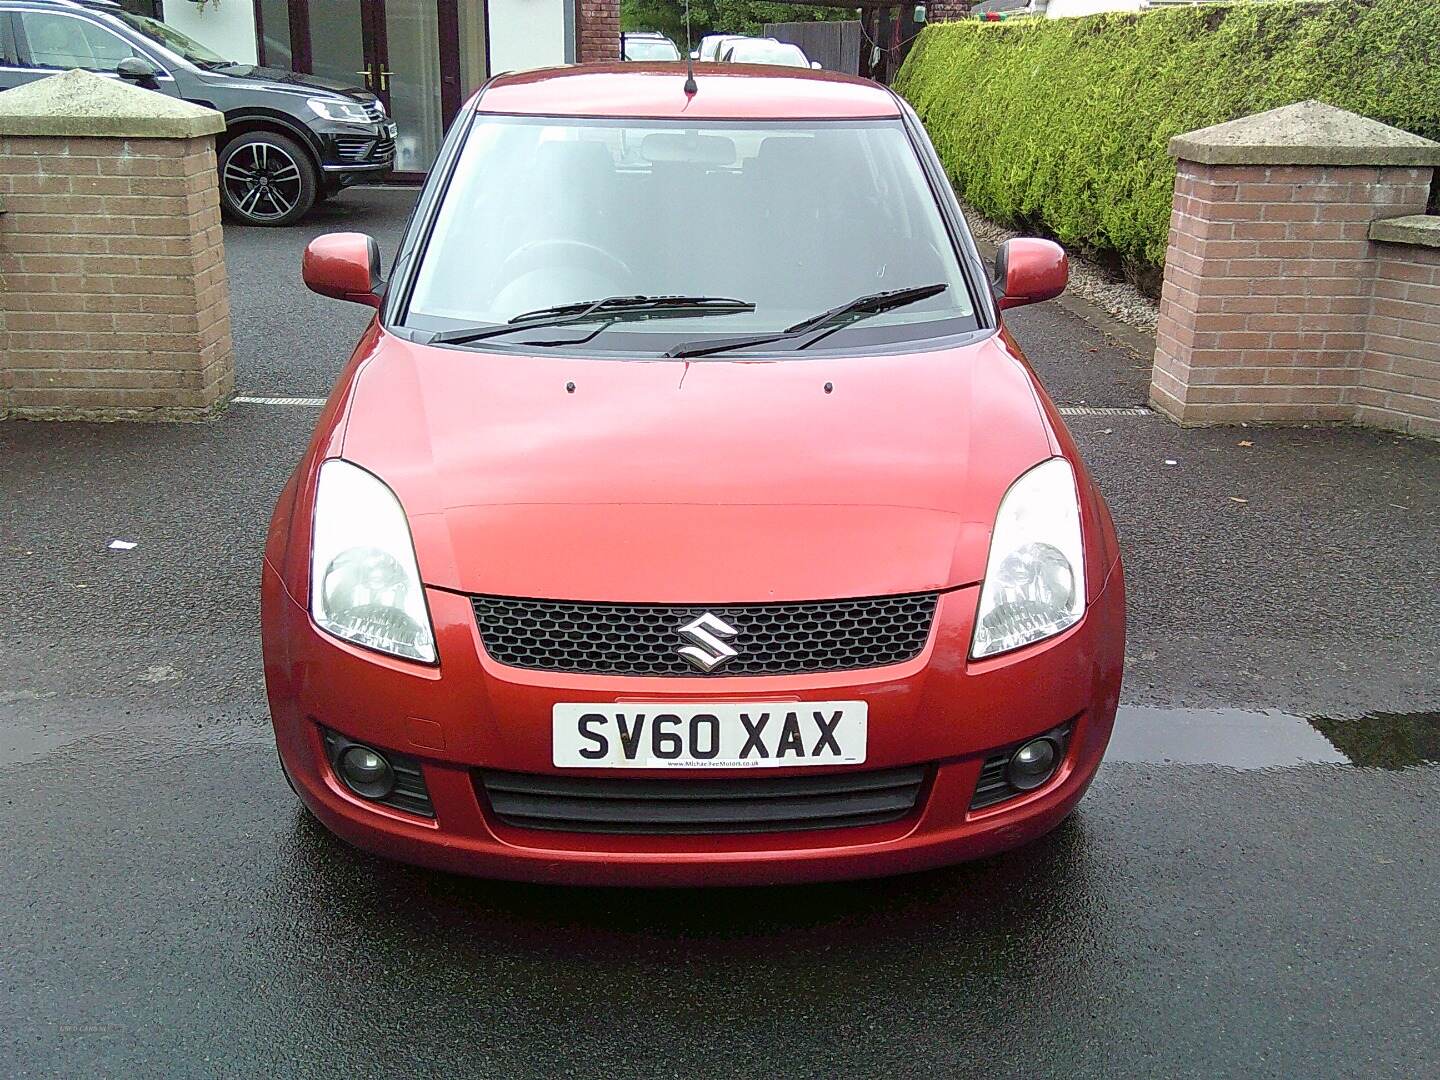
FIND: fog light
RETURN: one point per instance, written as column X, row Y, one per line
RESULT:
column 1033, row 764
column 366, row 773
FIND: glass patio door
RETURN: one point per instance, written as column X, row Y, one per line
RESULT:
column 405, row 51
column 340, row 45
column 407, row 77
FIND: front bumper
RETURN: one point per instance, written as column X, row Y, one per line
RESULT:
column 939, row 710
column 358, row 149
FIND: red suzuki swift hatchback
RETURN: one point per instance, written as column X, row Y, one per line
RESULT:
column 686, row 514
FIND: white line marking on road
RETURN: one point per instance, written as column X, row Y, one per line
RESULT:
column 312, row 402
column 1106, row 410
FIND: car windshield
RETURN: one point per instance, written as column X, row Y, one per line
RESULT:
column 650, row 49
column 794, row 217
column 173, row 40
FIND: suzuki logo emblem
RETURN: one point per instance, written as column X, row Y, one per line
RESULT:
column 709, row 651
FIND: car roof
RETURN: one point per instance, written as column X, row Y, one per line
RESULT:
column 657, row 91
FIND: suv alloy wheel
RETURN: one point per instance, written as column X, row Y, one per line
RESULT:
column 266, row 179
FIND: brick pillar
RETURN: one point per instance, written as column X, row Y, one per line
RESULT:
column 597, row 31
column 1399, row 384
column 1269, row 271
column 115, row 301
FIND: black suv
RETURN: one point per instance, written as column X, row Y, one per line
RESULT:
column 289, row 139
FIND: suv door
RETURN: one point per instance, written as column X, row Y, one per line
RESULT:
column 47, row 42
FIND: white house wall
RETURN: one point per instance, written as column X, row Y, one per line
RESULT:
column 526, row 34
column 227, row 27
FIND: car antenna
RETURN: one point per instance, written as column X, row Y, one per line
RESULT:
column 691, row 89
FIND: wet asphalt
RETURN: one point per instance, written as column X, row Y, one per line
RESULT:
column 1251, row 888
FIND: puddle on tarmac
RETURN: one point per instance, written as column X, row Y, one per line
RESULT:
column 1243, row 739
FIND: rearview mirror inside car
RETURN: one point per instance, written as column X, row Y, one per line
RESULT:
column 1029, row 270
column 344, row 266
column 690, row 147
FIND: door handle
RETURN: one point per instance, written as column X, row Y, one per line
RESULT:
column 385, row 80
column 366, row 73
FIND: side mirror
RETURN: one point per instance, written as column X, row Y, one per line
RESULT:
column 815, row 65
column 1028, row 270
column 137, row 70
column 344, row 266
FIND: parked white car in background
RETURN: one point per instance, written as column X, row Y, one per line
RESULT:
column 765, row 51
column 711, row 45
column 647, row 45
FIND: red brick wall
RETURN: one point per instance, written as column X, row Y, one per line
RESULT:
column 115, row 298
column 1399, row 380
column 597, row 30
column 1267, row 292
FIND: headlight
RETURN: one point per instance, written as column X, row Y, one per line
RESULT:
column 342, row 112
column 364, row 583
column 1035, row 579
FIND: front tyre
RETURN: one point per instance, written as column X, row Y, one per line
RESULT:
column 266, row 179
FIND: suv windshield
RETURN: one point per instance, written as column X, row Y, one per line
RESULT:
column 796, row 217
column 173, row 40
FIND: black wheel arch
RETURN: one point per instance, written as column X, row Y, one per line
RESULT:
column 243, row 121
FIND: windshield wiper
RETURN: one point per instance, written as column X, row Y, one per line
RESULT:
column 613, row 308
column 830, row 321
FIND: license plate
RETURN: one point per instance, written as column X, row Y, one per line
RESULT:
column 708, row 736
column 392, row 130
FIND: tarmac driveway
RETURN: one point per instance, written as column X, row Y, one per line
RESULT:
column 1251, row 887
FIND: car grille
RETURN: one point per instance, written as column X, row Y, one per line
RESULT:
column 642, row 639
column 658, row 807
column 362, row 150
column 992, row 787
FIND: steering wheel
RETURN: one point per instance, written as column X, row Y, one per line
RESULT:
column 540, row 253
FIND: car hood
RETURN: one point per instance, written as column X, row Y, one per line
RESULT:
column 289, row 82
column 704, row 481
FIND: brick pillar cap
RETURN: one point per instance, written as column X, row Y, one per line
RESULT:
column 82, row 103
column 1306, row 133
column 1422, row 230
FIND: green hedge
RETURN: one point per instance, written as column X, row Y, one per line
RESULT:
column 1061, row 125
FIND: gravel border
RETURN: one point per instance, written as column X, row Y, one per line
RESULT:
column 1119, row 298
